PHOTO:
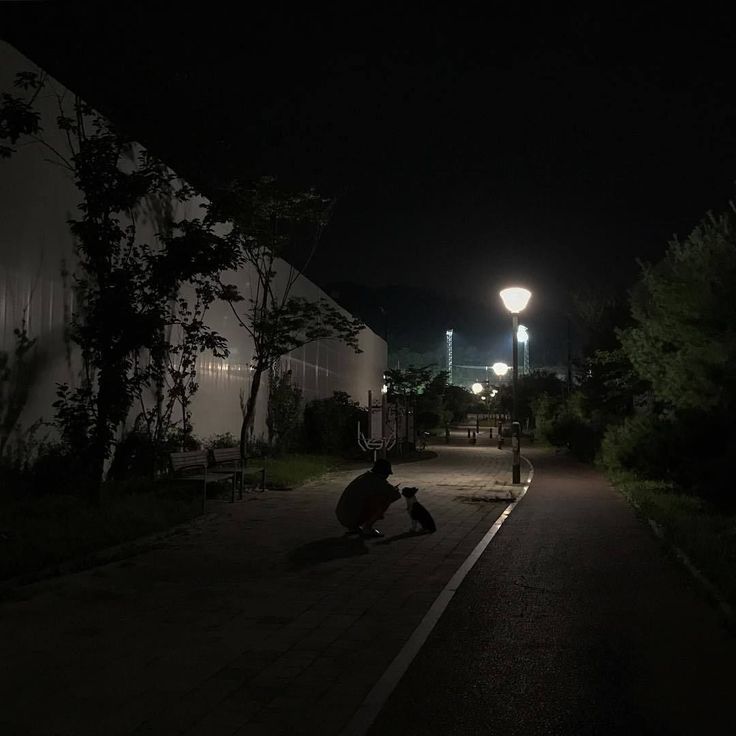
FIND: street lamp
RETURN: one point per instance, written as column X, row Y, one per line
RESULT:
column 477, row 388
column 500, row 369
column 515, row 300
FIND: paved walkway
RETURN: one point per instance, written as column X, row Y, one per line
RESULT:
column 262, row 618
column 574, row 621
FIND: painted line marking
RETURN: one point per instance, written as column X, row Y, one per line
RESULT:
column 369, row 709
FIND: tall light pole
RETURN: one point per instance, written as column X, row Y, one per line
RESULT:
column 448, row 337
column 522, row 335
column 515, row 300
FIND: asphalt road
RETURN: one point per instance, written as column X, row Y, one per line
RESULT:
column 574, row 621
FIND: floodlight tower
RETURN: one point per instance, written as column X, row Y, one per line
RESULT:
column 448, row 336
column 522, row 335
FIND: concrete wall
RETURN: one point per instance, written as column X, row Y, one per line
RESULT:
column 36, row 199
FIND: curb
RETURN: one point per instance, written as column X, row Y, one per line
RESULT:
column 711, row 591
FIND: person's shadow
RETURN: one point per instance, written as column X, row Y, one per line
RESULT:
column 324, row 550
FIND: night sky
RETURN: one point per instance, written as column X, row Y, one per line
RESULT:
column 467, row 149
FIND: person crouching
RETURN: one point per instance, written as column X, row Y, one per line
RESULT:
column 366, row 499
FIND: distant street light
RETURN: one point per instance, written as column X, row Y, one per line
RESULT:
column 500, row 369
column 476, row 388
column 515, row 300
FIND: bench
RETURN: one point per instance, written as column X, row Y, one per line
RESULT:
column 192, row 465
column 229, row 457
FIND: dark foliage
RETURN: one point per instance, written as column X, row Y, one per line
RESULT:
column 331, row 425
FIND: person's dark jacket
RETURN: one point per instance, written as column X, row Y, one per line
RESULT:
column 357, row 495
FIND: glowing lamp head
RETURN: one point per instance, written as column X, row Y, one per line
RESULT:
column 500, row 369
column 515, row 299
column 384, row 389
column 476, row 388
column 522, row 334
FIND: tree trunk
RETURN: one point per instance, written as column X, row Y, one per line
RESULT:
column 100, row 438
column 250, row 412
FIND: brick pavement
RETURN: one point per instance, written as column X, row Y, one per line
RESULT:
column 260, row 618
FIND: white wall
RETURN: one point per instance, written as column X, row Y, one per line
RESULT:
column 36, row 199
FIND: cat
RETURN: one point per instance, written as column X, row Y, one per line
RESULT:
column 417, row 513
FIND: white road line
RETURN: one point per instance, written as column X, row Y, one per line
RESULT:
column 370, row 708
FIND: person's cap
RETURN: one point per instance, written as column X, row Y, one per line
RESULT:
column 382, row 466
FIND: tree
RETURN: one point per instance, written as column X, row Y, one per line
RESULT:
column 457, row 401
column 529, row 389
column 192, row 256
column 267, row 224
column 407, row 383
column 435, row 402
column 124, row 287
column 18, row 371
column 440, row 403
column 683, row 341
column 330, row 424
column 403, row 389
column 284, row 405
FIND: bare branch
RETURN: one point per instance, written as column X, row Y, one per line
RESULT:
column 64, row 161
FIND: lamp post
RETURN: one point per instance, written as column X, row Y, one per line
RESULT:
column 500, row 369
column 515, row 300
column 476, row 388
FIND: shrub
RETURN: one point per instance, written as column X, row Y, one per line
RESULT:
column 642, row 444
column 137, row 455
column 564, row 423
column 585, row 439
column 330, row 425
column 257, row 447
column 691, row 451
column 226, row 439
column 581, row 436
column 428, row 420
column 55, row 470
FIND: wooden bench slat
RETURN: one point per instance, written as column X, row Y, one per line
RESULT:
column 230, row 457
column 226, row 454
column 197, row 460
column 194, row 465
